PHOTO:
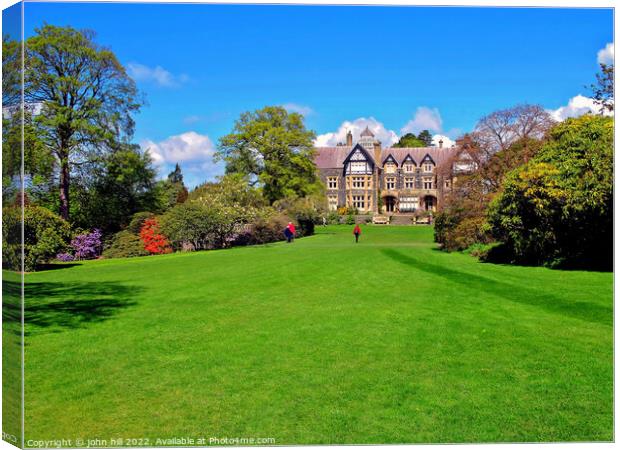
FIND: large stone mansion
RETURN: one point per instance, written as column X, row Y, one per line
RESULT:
column 400, row 180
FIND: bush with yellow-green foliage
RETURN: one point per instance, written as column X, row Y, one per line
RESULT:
column 557, row 209
column 45, row 235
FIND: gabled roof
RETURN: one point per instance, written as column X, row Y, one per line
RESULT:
column 428, row 157
column 438, row 155
column 390, row 158
column 334, row 157
column 363, row 151
column 408, row 158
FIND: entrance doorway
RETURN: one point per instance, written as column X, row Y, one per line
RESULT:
column 390, row 204
column 430, row 203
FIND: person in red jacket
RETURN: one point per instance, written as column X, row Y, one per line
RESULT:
column 291, row 228
column 357, row 231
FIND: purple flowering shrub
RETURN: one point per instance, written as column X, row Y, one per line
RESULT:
column 87, row 245
column 64, row 257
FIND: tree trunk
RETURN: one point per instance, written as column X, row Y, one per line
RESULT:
column 64, row 188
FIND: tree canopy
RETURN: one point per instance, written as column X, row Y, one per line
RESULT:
column 86, row 99
column 500, row 129
column 603, row 90
column 274, row 150
column 557, row 208
column 409, row 140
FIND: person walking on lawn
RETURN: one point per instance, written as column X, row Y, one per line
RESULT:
column 357, row 231
column 288, row 234
column 291, row 228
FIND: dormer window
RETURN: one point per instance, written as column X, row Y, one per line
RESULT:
column 428, row 165
column 409, row 165
column 389, row 167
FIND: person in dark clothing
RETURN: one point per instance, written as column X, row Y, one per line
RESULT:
column 289, row 234
column 290, row 227
column 357, row 231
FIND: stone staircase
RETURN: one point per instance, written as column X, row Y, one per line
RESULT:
column 401, row 219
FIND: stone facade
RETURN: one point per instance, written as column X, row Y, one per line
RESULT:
column 385, row 180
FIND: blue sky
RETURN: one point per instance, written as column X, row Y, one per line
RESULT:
column 396, row 69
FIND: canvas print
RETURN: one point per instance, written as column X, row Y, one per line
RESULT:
column 259, row 225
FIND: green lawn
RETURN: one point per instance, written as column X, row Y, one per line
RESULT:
column 320, row 341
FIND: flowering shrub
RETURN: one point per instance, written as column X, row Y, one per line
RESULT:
column 154, row 242
column 87, row 245
column 65, row 257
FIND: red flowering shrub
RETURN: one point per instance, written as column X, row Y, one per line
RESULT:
column 154, row 242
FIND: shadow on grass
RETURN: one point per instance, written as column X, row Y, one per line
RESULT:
column 57, row 306
column 590, row 312
column 56, row 266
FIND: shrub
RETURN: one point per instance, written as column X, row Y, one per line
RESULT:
column 65, row 257
column 45, row 236
column 202, row 226
column 154, row 242
column 135, row 225
column 125, row 244
column 347, row 210
column 350, row 219
column 264, row 230
column 305, row 211
column 87, row 245
column 333, row 218
column 470, row 231
column 557, row 210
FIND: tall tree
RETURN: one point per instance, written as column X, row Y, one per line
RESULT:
column 11, row 72
column 85, row 95
column 176, row 176
column 603, row 90
column 500, row 129
column 273, row 148
column 172, row 190
column 426, row 137
column 502, row 140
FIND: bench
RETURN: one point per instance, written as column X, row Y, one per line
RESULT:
column 383, row 220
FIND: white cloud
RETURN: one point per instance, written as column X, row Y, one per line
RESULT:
column 156, row 75
column 194, row 153
column 447, row 142
column 606, row 55
column 387, row 137
column 424, row 119
column 189, row 146
column 301, row 109
column 577, row 106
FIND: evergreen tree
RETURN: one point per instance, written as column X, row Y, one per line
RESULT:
column 426, row 137
column 176, row 176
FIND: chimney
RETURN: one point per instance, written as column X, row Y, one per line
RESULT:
column 377, row 147
column 349, row 139
column 440, row 143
